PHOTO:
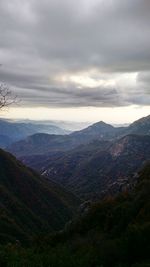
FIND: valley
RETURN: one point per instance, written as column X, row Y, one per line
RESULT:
column 75, row 186
column 94, row 162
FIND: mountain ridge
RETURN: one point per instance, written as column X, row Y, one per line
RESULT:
column 97, row 131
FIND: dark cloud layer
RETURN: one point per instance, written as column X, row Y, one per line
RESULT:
column 40, row 41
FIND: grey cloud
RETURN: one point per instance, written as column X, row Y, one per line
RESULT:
column 113, row 37
column 144, row 77
column 40, row 39
column 69, row 97
column 143, row 81
column 24, row 83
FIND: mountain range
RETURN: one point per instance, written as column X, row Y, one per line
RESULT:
column 93, row 162
column 39, row 144
column 42, row 144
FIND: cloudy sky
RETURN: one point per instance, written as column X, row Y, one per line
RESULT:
column 82, row 60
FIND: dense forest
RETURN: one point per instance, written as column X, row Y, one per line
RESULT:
column 114, row 232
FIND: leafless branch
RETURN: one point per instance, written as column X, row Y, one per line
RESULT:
column 6, row 96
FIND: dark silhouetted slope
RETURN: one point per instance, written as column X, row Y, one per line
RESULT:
column 112, row 233
column 29, row 204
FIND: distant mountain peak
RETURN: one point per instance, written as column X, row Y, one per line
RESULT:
column 98, row 129
column 101, row 124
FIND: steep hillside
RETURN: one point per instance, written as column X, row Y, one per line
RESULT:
column 111, row 233
column 105, row 170
column 141, row 126
column 114, row 232
column 29, row 204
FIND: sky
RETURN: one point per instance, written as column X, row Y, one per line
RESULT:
column 83, row 60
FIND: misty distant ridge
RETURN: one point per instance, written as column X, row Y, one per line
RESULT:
column 69, row 126
column 35, row 144
column 11, row 131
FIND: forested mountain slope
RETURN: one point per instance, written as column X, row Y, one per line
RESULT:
column 112, row 233
column 28, row 203
column 108, row 168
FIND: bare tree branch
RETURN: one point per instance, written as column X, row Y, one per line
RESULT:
column 6, row 96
